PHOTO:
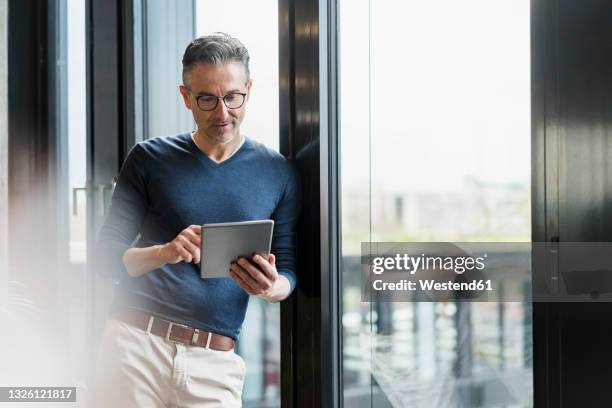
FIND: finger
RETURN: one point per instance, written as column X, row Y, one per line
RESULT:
column 245, row 275
column 175, row 257
column 176, row 252
column 192, row 236
column 188, row 245
column 268, row 269
column 195, row 228
column 196, row 256
column 245, row 286
column 259, row 286
column 238, row 277
column 184, row 254
column 258, row 276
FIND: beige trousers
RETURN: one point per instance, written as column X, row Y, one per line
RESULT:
column 136, row 369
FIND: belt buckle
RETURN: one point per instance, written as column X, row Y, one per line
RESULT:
column 196, row 336
column 169, row 329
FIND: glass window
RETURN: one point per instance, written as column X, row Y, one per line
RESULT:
column 435, row 99
column 76, row 95
column 74, row 298
column 260, row 336
column 261, row 122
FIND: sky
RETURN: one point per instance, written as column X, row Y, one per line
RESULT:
column 434, row 91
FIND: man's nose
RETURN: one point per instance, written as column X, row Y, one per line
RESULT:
column 221, row 110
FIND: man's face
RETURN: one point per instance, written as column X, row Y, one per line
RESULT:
column 221, row 125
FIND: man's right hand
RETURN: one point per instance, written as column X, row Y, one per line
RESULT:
column 185, row 247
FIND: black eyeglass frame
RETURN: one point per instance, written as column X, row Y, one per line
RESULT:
column 243, row 94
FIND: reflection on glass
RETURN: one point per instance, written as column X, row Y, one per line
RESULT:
column 77, row 131
column 259, row 342
column 435, row 98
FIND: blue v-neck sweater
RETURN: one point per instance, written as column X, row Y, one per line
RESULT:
column 167, row 184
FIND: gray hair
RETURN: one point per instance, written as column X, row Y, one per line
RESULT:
column 217, row 48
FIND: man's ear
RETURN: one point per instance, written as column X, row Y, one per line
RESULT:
column 249, row 84
column 185, row 94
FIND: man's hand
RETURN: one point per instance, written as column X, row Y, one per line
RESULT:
column 185, row 247
column 264, row 281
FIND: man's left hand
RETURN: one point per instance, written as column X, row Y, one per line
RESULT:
column 260, row 277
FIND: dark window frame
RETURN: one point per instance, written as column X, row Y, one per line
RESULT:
column 311, row 334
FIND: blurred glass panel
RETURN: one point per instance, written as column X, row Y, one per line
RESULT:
column 75, row 297
column 77, row 130
column 45, row 337
column 259, row 342
column 435, row 146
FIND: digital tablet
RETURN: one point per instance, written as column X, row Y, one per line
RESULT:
column 225, row 242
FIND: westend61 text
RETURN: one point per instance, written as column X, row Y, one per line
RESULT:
column 429, row 284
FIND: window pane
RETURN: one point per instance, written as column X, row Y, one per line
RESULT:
column 77, row 129
column 444, row 125
column 261, row 122
column 259, row 343
column 75, row 297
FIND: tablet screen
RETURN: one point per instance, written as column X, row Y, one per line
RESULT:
column 224, row 243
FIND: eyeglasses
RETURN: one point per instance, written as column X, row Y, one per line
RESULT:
column 232, row 100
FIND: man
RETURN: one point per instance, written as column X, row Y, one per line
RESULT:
column 169, row 340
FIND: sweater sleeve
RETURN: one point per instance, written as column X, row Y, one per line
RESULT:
column 124, row 219
column 284, row 237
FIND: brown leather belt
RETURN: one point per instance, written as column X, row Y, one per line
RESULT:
column 175, row 332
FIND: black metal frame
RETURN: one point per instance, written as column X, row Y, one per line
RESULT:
column 571, row 95
column 129, row 118
column 544, row 221
column 331, row 282
column 288, row 309
column 311, row 342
